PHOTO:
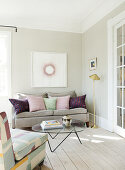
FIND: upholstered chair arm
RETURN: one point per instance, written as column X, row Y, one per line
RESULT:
column 7, row 160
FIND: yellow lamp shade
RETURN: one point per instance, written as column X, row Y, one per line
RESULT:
column 94, row 77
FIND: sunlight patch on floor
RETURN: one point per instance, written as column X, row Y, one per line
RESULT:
column 82, row 139
column 97, row 141
column 88, row 140
column 107, row 137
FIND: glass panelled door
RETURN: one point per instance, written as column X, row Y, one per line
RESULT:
column 119, row 77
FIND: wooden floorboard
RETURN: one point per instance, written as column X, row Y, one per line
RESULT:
column 47, row 165
column 100, row 150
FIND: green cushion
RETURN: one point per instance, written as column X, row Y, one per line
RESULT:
column 50, row 103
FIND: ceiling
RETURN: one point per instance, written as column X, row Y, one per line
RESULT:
column 60, row 15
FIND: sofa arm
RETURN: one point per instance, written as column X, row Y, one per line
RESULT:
column 13, row 122
column 13, row 118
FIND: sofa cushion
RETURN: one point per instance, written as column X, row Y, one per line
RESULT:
column 24, row 95
column 77, row 102
column 20, row 105
column 62, row 102
column 24, row 142
column 50, row 103
column 36, row 103
column 69, row 93
column 70, row 112
column 40, row 113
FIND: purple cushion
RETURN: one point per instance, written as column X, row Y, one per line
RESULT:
column 20, row 105
column 77, row 102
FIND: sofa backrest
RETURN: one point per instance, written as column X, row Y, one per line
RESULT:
column 66, row 93
column 7, row 160
column 24, row 95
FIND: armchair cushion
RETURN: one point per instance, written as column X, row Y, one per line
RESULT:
column 25, row 142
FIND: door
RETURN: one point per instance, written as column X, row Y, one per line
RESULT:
column 119, row 79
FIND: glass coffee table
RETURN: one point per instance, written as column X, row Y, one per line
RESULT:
column 76, row 126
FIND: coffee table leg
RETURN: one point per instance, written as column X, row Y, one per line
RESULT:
column 58, row 144
column 78, row 137
column 53, row 137
column 50, row 146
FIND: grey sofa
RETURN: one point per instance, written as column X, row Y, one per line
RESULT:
column 28, row 119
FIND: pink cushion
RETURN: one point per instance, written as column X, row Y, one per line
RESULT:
column 36, row 103
column 62, row 103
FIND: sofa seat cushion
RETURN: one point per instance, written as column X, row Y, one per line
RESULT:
column 61, row 112
column 24, row 142
column 39, row 113
column 70, row 111
column 78, row 111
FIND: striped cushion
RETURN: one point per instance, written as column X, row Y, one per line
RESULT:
column 36, row 103
column 24, row 142
column 77, row 102
column 20, row 105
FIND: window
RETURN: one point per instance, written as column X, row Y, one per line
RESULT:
column 4, row 63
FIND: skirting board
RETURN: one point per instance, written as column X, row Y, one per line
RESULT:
column 100, row 121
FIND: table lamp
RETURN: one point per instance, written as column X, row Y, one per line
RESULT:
column 94, row 77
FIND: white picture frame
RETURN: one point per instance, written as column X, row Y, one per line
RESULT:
column 48, row 69
column 93, row 64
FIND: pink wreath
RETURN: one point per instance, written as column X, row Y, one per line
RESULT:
column 44, row 69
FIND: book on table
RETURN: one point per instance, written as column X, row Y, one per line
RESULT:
column 51, row 124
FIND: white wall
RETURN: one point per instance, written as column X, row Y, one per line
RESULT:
column 27, row 40
column 95, row 45
column 80, row 49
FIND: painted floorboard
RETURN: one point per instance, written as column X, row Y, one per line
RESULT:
column 100, row 150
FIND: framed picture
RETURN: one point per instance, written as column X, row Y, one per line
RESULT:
column 48, row 69
column 92, row 65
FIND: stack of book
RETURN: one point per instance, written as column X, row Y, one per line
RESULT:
column 51, row 124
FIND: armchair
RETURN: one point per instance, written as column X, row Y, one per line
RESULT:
column 20, row 150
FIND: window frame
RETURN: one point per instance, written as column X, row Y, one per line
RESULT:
column 8, row 33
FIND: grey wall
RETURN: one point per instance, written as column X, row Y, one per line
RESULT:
column 27, row 40
column 94, row 44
